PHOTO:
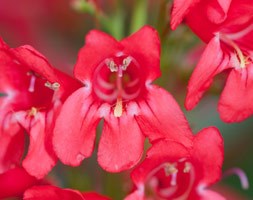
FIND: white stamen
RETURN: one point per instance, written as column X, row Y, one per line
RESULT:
column 53, row 86
column 111, row 65
column 238, row 35
column 106, row 97
column 120, row 71
column 126, row 62
column 186, row 193
column 130, row 96
column 32, row 83
column 173, row 180
column 104, row 84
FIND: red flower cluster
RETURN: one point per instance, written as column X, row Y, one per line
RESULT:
column 226, row 27
column 114, row 83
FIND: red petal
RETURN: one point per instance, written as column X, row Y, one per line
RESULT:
column 75, row 128
column 14, row 182
column 144, row 46
column 211, row 195
column 94, row 196
column 161, row 117
column 98, row 46
column 52, row 193
column 161, row 152
column 31, row 58
column 217, row 10
column 121, row 143
column 236, row 101
column 179, row 10
column 211, row 63
column 40, row 158
column 207, row 155
column 12, row 142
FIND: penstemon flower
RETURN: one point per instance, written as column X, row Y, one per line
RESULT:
column 117, row 77
column 227, row 28
column 173, row 171
column 32, row 94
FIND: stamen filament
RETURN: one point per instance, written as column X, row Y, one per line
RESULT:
column 238, row 51
column 32, row 83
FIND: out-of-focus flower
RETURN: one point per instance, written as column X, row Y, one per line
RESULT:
column 227, row 28
column 55, row 193
column 32, row 94
column 174, row 171
column 117, row 77
column 15, row 181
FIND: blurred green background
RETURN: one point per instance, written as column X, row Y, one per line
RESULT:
column 57, row 29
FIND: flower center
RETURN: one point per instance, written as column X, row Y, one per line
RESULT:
column 171, row 180
column 118, row 80
column 244, row 60
column 37, row 87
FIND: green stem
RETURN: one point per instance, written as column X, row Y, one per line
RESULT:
column 139, row 17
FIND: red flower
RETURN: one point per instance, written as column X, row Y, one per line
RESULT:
column 174, row 171
column 227, row 28
column 55, row 193
column 32, row 94
column 117, row 78
column 14, row 182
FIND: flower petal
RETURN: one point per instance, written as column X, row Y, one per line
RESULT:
column 98, row 46
column 144, row 46
column 94, row 196
column 210, row 195
column 217, row 10
column 161, row 117
column 14, row 182
column 161, row 152
column 136, row 195
column 207, row 155
column 121, row 144
column 236, row 101
column 40, row 158
column 179, row 10
column 51, row 192
column 12, row 141
column 31, row 58
column 211, row 63
column 75, row 128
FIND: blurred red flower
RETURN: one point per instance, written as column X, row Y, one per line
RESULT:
column 172, row 170
column 32, row 94
column 227, row 28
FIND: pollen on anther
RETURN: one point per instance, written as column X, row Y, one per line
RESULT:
column 52, row 86
column 32, row 112
column 111, row 65
column 187, row 167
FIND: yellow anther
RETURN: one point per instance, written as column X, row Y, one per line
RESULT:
column 32, row 112
column 187, row 167
column 170, row 169
column 126, row 62
column 52, row 86
column 118, row 110
column 111, row 65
